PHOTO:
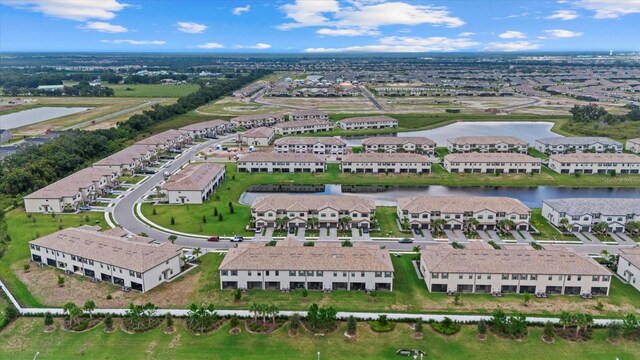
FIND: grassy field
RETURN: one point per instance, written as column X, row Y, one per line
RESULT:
column 278, row 345
column 547, row 231
column 619, row 131
column 26, row 227
column 144, row 90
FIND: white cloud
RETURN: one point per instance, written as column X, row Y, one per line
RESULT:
column 404, row 44
column 347, row 32
column 366, row 15
column 191, row 27
column 241, row 9
column 562, row 34
column 78, row 10
column 259, row 46
column 211, row 45
column 511, row 46
column 610, row 9
column 103, row 27
column 466, row 34
column 512, row 35
column 563, row 15
column 135, row 42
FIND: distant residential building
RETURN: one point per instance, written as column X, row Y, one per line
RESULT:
column 251, row 89
column 629, row 266
column 194, row 184
column 633, row 145
column 5, row 135
column 303, row 127
column 328, row 209
column 50, row 87
column 67, row 194
column 505, row 144
column 257, row 120
column 281, row 162
column 7, row 151
column 209, row 128
column 166, row 140
column 367, row 122
column 133, row 262
column 319, row 145
column 457, row 211
column 260, row 136
column 129, row 160
column 553, row 270
column 583, row 213
column 584, row 163
column 398, row 163
column 390, row 144
column 308, row 115
column 290, row 266
column 563, row 145
column 481, row 163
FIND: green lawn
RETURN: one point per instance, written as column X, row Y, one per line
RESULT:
column 96, row 344
column 144, row 90
column 25, row 227
column 547, row 231
column 388, row 227
column 131, row 179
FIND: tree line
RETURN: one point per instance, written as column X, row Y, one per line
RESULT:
column 592, row 112
column 36, row 166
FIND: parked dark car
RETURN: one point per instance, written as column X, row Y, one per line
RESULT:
column 405, row 241
column 214, row 238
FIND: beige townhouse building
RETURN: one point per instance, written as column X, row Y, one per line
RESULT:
column 586, row 163
column 112, row 256
column 260, row 136
column 319, row 145
column 633, row 145
column 484, row 144
column 281, row 162
column 303, row 127
column 167, row 140
column 397, row 163
column 67, row 194
column 328, row 209
column 422, row 211
column 194, row 183
column 516, row 270
column 629, row 266
column 563, row 145
column 367, row 122
column 481, row 163
column 391, row 144
column 129, row 160
column 308, row 115
column 257, row 120
column 289, row 265
column 583, row 213
column 209, row 128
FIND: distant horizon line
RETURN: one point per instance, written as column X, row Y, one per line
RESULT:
column 619, row 52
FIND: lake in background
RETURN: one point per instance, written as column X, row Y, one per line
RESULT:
column 32, row 116
column 528, row 131
column 387, row 195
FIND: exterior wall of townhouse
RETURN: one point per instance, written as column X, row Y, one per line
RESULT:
column 294, row 117
column 574, row 284
column 565, row 148
column 194, row 196
column 491, row 167
column 251, row 123
column 49, row 205
column 256, row 141
column 318, row 149
column 315, row 280
column 593, row 168
column 629, row 272
column 634, row 146
column 487, row 220
column 273, row 166
column 484, row 148
column 409, row 148
column 327, row 216
column 303, row 129
column 107, row 272
column 367, row 125
column 395, row 167
column 584, row 222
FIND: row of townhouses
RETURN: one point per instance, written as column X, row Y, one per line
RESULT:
column 633, row 145
column 479, row 268
column 563, row 145
column 389, row 144
column 489, row 163
column 194, row 183
column 422, row 212
column 303, row 127
column 271, row 119
column 629, row 266
column 321, row 145
column 112, row 256
column 587, row 163
column 367, row 122
column 483, row 144
column 329, row 210
column 582, row 214
column 281, row 162
column 400, row 163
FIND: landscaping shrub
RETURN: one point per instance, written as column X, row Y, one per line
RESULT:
column 382, row 324
column 351, row 325
column 446, row 326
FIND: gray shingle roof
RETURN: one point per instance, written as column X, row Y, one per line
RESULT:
column 581, row 206
column 577, row 141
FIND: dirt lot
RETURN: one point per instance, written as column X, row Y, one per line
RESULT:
column 334, row 105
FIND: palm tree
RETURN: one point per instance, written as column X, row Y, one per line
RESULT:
column 344, row 222
column 254, row 309
column 565, row 223
column 89, row 306
column 280, row 223
column 197, row 252
column 73, row 311
column 633, row 227
column 312, row 222
column 285, row 221
column 506, row 225
column 405, row 223
column 273, row 310
column 565, row 319
column 471, row 224
column 600, row 227
column 439, row 224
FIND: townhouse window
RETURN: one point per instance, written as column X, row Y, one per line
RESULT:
column 605, row 278
column 533, row 277
column 445, row 275
column 434, row 275
column 277, row 273
column 344, row 274
column 353, row 274
column 424, row 216
column 480, row 217
column 224, row 273
column 559, row 277
column 292, row 273
column 309, row 273
column 579, row 278
column 130, row 273
column 335, row 274
column 505, row 277
column 387, row 274
column 479, row 277
column 300, row 273
column 550, row 277
column 266, row 273
column 568, row 277
column 490, row 217
column 249, row 273
column 523, row 277
column 595, row 278
column 470, row 276
column 460, row 276
column 514, row 276
column 319, row 273
column 259, row 273
column 354, row 215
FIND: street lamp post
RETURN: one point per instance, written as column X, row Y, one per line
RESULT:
column 318, row 355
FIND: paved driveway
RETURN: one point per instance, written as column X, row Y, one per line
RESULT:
column 333, row 233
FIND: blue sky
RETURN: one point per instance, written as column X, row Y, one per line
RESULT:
column 317, row 26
